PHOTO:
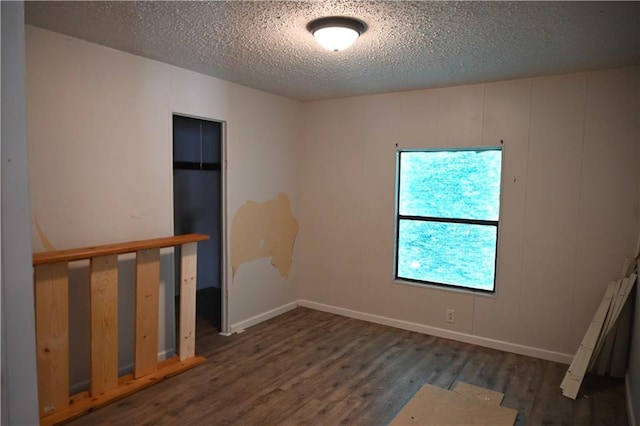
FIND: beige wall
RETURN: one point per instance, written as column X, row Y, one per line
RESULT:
column 569, row 213
column 100, row 169
column 99, row 130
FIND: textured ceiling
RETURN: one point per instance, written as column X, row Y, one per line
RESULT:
column 408, row 45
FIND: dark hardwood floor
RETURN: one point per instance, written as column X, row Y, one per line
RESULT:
column 312, row 368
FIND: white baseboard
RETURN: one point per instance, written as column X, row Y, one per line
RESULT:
column 411, row 326
column 242, row 325
column 629, row 398
column 391, row 322
column 439, row 332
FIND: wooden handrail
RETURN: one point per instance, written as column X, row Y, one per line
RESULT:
column 70, row 255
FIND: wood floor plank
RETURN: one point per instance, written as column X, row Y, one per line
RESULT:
column 518, row 379
column 307, row 367
column 273, row 372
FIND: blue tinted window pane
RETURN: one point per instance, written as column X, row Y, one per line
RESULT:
column 450, row 184
column 448, row 253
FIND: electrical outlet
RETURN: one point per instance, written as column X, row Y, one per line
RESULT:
column 451, row 316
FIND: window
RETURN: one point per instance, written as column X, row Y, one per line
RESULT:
column 448, row 203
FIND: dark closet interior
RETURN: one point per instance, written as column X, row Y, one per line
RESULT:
column 197, row 200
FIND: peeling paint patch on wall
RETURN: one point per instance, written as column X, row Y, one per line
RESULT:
column 264, row 230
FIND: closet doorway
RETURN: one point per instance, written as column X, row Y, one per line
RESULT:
column 197, row 207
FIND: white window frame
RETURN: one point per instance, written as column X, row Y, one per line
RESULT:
column 399, row 217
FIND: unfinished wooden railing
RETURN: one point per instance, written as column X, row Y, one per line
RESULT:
column 51, row 280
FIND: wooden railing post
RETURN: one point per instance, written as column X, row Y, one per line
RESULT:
column 147, row 279
column 52, row 335
column 188, row 272
column 104, row 323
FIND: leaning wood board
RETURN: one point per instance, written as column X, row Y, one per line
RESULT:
column 604, row 346
column 573, row 378
column 620, row 352
column 602, row 340
column 611, row 330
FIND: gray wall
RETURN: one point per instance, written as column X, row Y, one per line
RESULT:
column 19, row 381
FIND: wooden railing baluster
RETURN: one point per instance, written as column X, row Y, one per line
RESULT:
column 147, row 278
column 52, row 336
column 104, row 323
column 188, row 270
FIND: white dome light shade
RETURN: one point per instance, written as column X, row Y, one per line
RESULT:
column 336, row 33
column 336, row 38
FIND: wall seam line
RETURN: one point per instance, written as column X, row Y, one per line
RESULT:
column 524, row 219
column 579, row 201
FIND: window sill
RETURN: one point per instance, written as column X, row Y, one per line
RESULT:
column 467, row 291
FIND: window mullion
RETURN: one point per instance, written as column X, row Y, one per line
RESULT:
column 449, row 220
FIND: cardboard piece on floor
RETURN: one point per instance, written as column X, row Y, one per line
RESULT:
column 432, row 405
column 471, row 391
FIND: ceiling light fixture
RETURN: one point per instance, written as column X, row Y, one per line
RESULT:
column 336, row 32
